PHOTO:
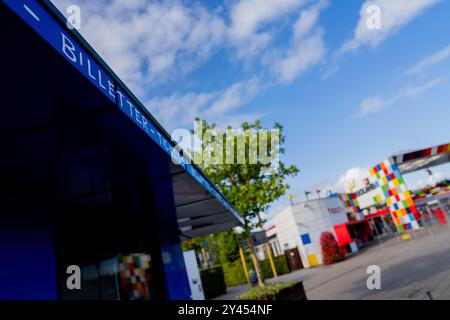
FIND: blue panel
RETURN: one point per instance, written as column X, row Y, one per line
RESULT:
column 168, row 234
column 41, row 21
column 27, row 253
column 305, row 238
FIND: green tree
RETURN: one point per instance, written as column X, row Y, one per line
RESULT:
column 229, row 246
column 246, row 184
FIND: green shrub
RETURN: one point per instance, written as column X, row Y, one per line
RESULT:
column 281, row 265
column 213, row 282
column 275, row 291
column 234, row 272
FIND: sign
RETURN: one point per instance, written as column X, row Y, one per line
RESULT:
column 335, row 210
column 37, row 16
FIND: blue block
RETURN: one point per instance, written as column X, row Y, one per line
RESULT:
column 306, row 238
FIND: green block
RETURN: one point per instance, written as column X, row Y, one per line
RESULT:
column 400, row 229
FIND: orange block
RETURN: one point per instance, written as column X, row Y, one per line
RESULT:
column 410, row 202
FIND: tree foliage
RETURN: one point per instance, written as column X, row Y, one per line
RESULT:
column 247, row 185
column 229, row 246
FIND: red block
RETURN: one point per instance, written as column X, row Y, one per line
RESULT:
column 441, row 216
column 342, row 234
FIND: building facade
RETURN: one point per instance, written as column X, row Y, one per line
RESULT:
column 301, row 225
column 88, row 187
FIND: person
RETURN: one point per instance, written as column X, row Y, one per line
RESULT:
column 253, row 277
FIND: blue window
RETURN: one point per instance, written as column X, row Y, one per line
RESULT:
column 305, row 238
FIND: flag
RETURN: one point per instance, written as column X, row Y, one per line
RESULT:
column 318, row 192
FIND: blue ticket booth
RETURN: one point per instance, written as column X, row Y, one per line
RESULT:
column 86, row 176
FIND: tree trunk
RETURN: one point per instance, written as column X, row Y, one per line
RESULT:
column 255, row 260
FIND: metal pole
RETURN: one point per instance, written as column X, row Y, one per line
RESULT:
column 376, row 231
column 244, row 265
column 204, row 258
column 272, row 264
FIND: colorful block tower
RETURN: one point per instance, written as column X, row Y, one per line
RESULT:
column 392, row 188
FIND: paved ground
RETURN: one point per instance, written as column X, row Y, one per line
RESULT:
column 409, row 268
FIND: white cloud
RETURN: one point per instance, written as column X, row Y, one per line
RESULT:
column 146, row 42
column 181, row 110
column 353, row 176
column 307, row 48
column 429, row 61
column 426, row 180
column 252, row 24
column 377, row 103
column 152, row 42
column 416, row 180
column 234, row 97
column 413, row 91
column 248, row 16
column 394, row 15
column 372, row 104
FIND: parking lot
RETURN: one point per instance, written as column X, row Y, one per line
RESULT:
column 409, row 268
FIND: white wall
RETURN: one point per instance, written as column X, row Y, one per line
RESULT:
column 312, row 218
column 195, row 281
column 286, row 229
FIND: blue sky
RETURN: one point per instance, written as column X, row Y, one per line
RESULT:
column 348, row 97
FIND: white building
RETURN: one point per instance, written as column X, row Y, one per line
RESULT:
column 301, row 225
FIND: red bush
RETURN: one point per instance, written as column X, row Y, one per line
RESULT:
column 331, row 253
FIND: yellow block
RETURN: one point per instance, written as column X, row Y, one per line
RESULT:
column 312, row 260
column 396, row 183
column 406, row 236
column 400, row 213
column 407, row 194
